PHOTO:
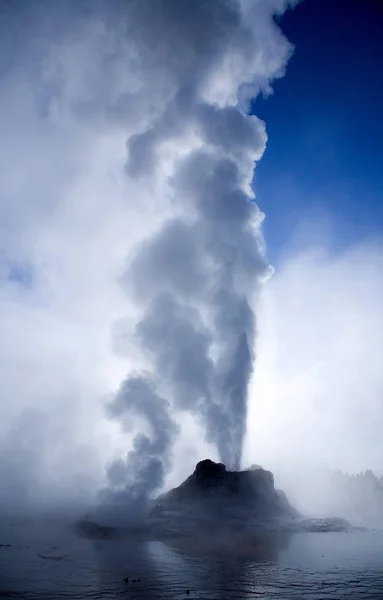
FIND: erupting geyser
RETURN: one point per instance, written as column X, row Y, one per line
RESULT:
column 196, row 276
column 135, row 158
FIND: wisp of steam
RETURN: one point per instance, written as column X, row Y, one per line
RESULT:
column 128, row 156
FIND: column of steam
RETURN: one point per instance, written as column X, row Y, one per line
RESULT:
column 196, row 276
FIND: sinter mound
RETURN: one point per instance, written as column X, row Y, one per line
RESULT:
column 213, row 501
column 213, row 489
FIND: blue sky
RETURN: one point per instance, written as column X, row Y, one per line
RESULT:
column 325, row 125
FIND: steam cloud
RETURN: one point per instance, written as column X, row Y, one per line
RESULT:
column 318, row 379
column 127, row 142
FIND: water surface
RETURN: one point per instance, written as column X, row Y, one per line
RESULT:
column 39, row 561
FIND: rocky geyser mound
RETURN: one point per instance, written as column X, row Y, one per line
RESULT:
column 215, row 501
column 212, row 493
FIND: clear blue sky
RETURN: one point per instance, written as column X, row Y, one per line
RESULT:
column 325, row 124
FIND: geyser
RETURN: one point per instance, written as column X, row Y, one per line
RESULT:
column 196, row 276
column 128, row 156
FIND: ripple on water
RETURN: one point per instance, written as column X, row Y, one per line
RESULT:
column 51, row 563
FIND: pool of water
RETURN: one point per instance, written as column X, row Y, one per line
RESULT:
column 39, row 561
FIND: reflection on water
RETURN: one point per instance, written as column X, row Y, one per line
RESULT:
column 49, row 561
column 262, row 547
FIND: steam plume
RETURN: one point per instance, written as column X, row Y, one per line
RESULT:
column 126, row 141
column 197, row 274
